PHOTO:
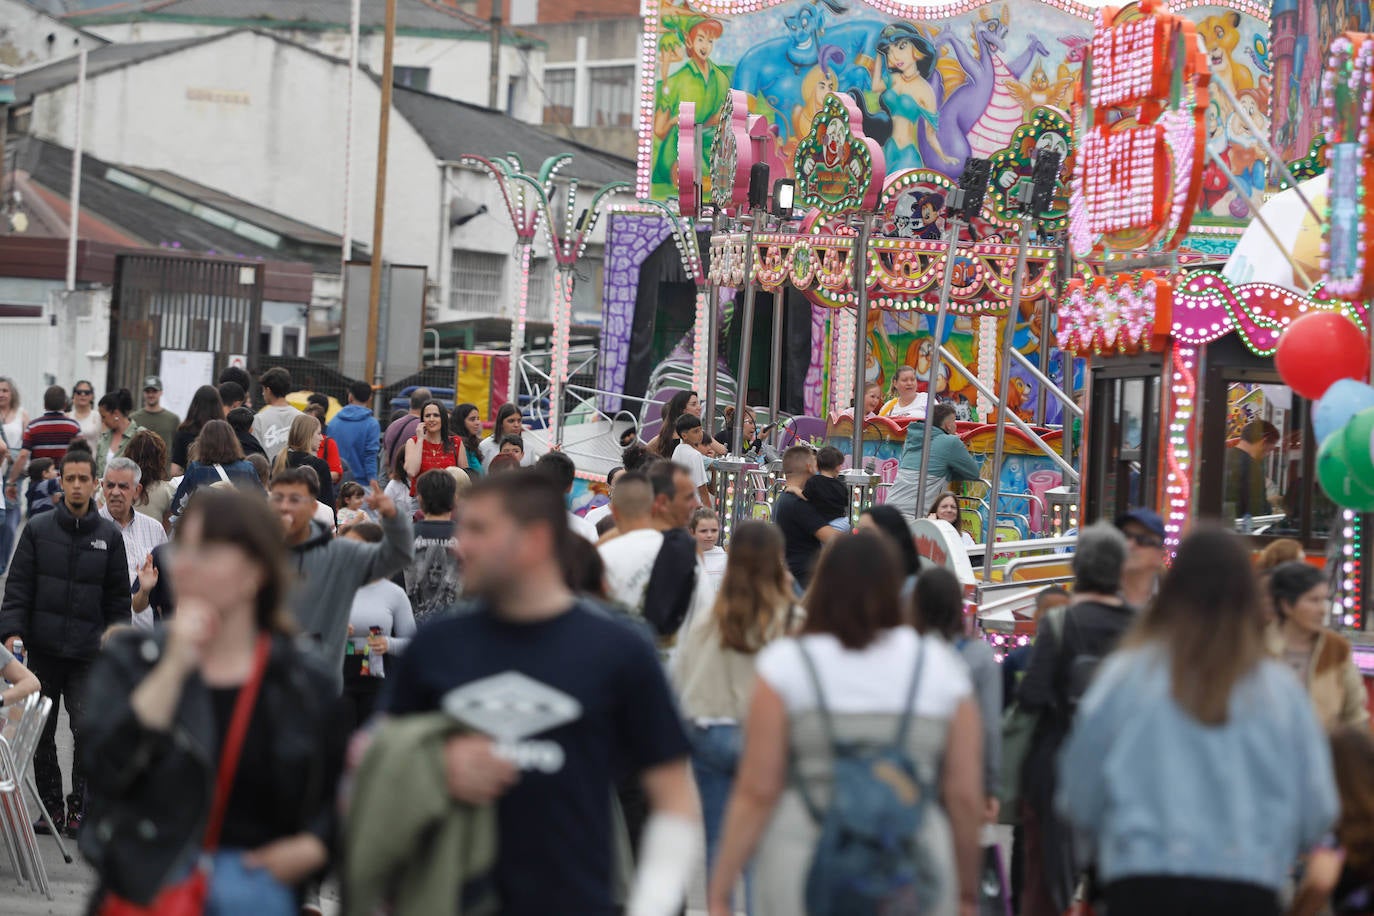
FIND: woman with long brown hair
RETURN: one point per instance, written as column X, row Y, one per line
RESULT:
column 856, row 672
column 148, row 451
column 215, row 735
column 215, row 456
column 714, row 671
column 1339, row 877
column 1195, row 764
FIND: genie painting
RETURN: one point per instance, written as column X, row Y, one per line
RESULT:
column 933, row 89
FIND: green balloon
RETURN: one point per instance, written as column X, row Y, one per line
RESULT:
column 1359, row 454
column 1334, row 474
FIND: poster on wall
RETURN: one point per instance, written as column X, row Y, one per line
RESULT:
column 182, row 372
column 933, row 90
column 1301, row 31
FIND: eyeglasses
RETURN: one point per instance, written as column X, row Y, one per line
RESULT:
column 1145, row 540
column 86, row 393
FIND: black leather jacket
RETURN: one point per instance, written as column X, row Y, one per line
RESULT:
column 150, row 791
column 67, row 584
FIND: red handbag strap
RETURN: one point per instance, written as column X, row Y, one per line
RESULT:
column 233, row 743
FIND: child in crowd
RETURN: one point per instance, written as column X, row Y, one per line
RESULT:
column 350, row 507
column 398, row 487
column 513, row 446
column 705, row 528
column 826, row 492
column 44, row 489
column 688, row 455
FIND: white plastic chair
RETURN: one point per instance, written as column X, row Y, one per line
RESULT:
column 36, row 708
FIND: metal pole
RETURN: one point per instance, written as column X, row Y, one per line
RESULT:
column 860, row 255
column 374, row 298
column 494, row 52
column 712, row 333
column 517, row 321
column 1004, row 383
column 1044, row 358
column 346, row 249
column 558, row 355
column 938, row 339
column 775, row 363
column 74, row 224
column 746, row 338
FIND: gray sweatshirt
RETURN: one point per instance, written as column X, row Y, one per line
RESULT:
column 331, row 570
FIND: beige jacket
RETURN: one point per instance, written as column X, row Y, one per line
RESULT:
column 714, row 682
column 1332, row 681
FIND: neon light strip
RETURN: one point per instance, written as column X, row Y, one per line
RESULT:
column 1178, row 482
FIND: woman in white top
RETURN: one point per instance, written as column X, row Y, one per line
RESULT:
column 84, row 413
column 909, row 401
column 946, row 509
column 714, row 671
column 857, row 655
column 705, row 528
column 13, row 422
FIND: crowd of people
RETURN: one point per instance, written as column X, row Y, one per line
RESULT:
column 452, row 692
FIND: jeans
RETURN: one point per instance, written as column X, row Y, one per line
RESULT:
column 9, row 528
column 63, row 679
column 716, row 753
column 236, row 889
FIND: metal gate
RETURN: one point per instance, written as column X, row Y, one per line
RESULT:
column 181, row 302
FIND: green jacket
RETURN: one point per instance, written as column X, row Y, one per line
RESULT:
column 407, row 842
column 102, row 447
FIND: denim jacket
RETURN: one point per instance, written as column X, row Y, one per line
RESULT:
column 1159, row 793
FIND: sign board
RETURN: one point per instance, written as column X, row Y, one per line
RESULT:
column 182, row 372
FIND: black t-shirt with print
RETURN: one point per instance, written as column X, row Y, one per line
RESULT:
column 583, row 699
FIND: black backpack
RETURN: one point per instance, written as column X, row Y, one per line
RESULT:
column 867, row 859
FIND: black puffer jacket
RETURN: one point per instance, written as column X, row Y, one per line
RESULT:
column 150, row 791
column 68, row 582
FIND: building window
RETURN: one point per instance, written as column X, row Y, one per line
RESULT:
column 587, row 290
column 411, row 77
column 291, row 341
column 612, row 96
column 265, row 342
column 560, row 89
column 541, row 290
column 476, row 280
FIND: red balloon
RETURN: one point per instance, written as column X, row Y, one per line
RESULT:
column 1318, row 350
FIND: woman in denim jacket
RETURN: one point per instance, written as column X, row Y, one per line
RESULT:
column 1196, row 767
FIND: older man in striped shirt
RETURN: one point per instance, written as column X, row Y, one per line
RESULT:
column 141, row 533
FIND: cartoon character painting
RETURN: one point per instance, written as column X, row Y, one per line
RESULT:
column 1221, row 35
column 933, row 89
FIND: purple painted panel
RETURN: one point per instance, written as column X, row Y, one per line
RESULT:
column 630, row 239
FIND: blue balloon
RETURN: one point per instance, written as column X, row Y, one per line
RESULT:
column 1342, row 401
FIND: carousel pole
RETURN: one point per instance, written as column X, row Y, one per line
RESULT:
column 775, row 363
column 933, row 381
column 712, row 334
column 746, row 337
column 860, row 337
column 1003, row 384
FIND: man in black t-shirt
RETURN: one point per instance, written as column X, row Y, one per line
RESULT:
column 564, row 697
column 804, row 529
column 431, row 579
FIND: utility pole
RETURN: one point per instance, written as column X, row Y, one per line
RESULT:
column 374, row 299
column 494, row 74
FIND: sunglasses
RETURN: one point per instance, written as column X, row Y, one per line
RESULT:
column 87, row 392
column 1145, row 540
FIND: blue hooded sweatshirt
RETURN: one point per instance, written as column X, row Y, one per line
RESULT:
column 359, row 437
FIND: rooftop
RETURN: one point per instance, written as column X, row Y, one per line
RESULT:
column 454, row 129
column 101, row 60
column 413, row 17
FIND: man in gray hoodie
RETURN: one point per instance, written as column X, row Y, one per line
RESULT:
column 332, row 569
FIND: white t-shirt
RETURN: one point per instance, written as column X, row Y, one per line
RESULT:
column 916, row 409
column 272, row 427
column 714, row 562
column 594, row 516
column 579, row 525
column 874, row 679
column 686, row 456
column 629, row 561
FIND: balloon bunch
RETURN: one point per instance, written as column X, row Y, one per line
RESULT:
column 1324, row 357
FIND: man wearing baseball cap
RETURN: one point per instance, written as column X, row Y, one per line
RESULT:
column 1144, row 530
column 153, row 415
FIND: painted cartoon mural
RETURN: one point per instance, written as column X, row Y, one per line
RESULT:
column 932, row 91
column 1301, row 32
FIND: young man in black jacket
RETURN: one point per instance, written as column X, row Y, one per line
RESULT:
column 68, row 583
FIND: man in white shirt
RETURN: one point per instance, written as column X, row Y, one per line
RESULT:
column 122, row 486
column 687, row 456
column 560, row 469
column 629, row 557
column 272, row 425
